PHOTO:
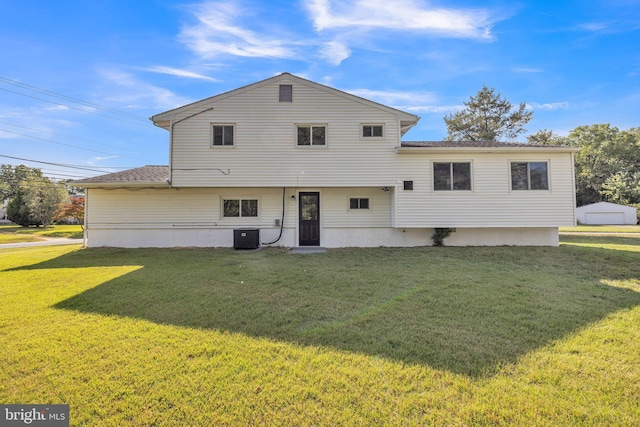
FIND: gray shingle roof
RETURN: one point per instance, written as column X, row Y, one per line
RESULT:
column 150, row 175
column 470, row 144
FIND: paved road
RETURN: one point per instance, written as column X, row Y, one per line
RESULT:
column 48, row 242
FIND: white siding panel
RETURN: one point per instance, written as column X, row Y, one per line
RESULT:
column 491, row 202
column 266, row 151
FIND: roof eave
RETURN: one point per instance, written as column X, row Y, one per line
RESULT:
column 121, row 185
column 525, row 148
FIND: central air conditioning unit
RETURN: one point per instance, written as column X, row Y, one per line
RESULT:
column 246, row 238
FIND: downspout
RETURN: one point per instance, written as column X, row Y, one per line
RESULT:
column 573, row 183
column 171, row 127
column 85, row 234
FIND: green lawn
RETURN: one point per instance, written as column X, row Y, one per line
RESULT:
column 441, row 336
column 17, row 234
column 602, row 229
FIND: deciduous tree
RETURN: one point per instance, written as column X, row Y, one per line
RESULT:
column 74, row 209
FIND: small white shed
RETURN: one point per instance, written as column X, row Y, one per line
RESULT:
column 605, row 213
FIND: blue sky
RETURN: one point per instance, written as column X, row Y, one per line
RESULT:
column 79, row 79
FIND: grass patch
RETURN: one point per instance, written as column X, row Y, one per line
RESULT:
column 17, row 234
column 602, row 229
column 445, row 336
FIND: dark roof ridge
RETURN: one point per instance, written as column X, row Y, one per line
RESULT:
column 472, row 144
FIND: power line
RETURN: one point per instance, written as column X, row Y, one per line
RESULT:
column 65, row 166
column 76, row 108
column 47, row 171
column 69, row 98
column 61, row 143
column 55, row 134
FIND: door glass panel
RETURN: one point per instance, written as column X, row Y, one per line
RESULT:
column 309, row 211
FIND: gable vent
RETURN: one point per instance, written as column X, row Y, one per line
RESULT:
column 286, row 93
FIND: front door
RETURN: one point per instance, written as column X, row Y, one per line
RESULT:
column 309, row 217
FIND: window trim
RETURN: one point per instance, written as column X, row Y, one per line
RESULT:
column 372, row 137
column 240, row 200
column 528, row 163
column 311, row 126
column 212, row 136
column 359, row 203
column 451, row 163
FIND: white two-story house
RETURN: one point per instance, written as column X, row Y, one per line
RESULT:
column 300, row 164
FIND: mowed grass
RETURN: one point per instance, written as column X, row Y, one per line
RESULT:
column 17, row 234
column 420, row 336
column 602, row 229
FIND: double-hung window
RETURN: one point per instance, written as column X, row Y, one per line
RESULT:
column 451, row 176
column 529, row 176
column 312, row 135
column 222, row 134
column 239, row 208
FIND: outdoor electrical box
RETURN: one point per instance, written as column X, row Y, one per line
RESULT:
column 246, row 238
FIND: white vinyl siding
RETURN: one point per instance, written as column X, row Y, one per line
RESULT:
column 492, row 203
column 179, row 208
column 266, row 153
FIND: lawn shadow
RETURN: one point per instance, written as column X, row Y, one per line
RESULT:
column 465, row 310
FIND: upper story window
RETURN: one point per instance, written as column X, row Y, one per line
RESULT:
column 240, row 208
column 372, row 131
column 222, row 134
column 452, row 176
column 312, row 135
column 358, row 203
column 529, row 176
column 286, row 93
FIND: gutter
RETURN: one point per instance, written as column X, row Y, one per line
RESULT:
column 449, row 150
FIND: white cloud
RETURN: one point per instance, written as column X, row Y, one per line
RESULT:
column 594, row 26
column 137, row 94
column 437, row 109
column 160, row 69
column 551, row 106
column 411, row 102
column 394, row 97
column 334, row 52
column 106, row 158
column 218, row 31
column 527, row 70
column 403, row 15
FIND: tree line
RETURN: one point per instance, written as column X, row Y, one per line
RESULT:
column 34, row 199
column 607, row 167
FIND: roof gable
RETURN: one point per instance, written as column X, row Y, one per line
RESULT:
column 164, row 120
